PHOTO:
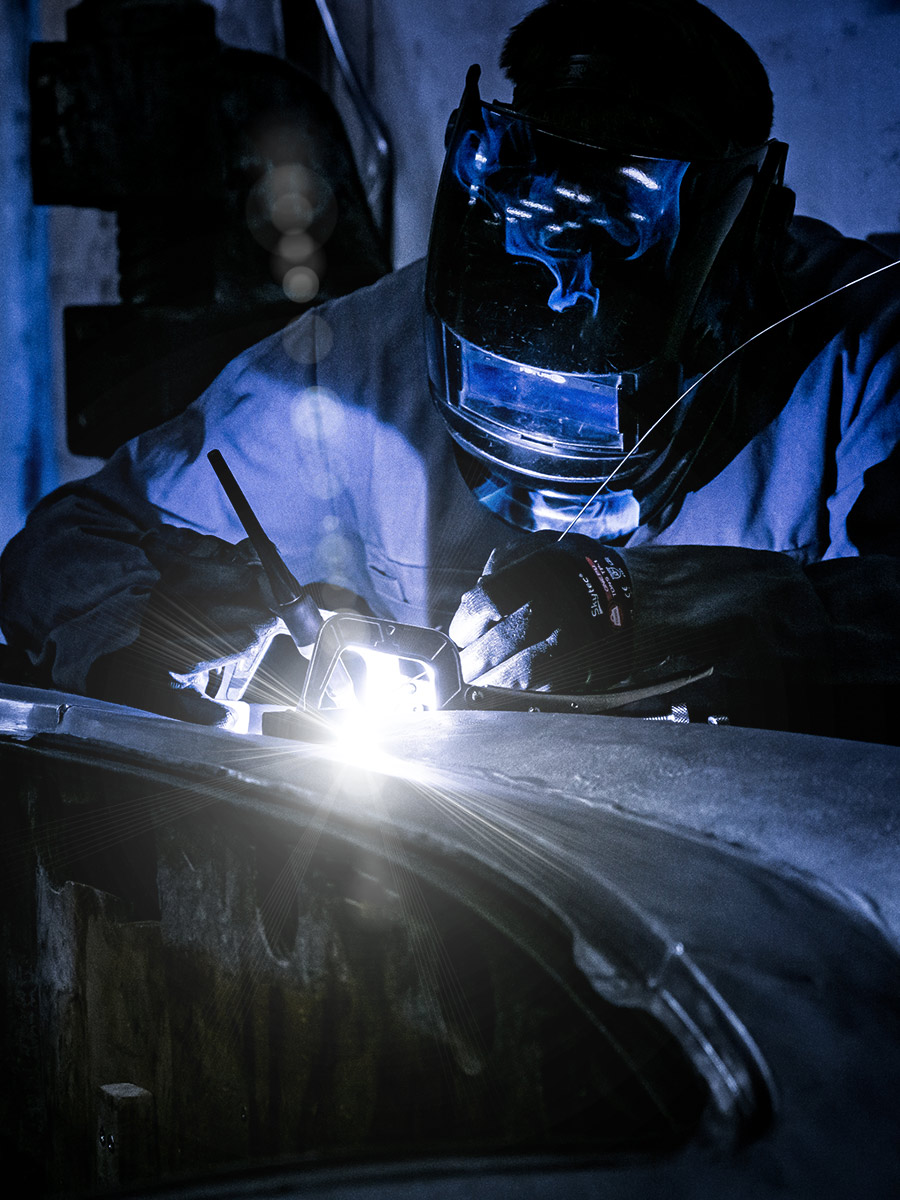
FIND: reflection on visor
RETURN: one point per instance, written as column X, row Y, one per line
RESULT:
column 553, row 406
column 551, row 217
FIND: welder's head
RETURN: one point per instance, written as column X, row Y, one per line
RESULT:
column 663, row 78
column 582, row 235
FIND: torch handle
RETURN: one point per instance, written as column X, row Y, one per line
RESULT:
column 294, row 605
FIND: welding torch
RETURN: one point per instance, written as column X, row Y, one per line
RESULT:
column 293, row 604
column 428, row 648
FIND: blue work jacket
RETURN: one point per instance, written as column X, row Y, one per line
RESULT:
column 330, row 430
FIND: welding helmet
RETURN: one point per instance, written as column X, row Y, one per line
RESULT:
column 562, row 280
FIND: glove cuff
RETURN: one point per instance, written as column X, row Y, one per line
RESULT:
column 606, row 580
column 609, row 585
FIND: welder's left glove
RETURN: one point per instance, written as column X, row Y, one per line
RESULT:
column 556, row 616
column 211, row 606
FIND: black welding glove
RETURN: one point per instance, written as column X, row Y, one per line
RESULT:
column 212, row 604
column 555, row 616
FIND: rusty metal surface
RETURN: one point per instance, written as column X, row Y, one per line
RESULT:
column 821, row 806
column 712, row 880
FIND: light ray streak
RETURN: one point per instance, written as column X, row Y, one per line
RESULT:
column 255, row 949
column 286, row 887
column 97, row 830
column 489, row 831
column 731, row 353
column 84, row 832
column 80, row 834
column 458, row 1037
column 456, row 807
column 254, row 953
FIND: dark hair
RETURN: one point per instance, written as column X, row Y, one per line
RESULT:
column 664, row 77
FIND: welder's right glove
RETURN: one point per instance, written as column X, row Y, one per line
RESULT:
column 548, row 615
column 662, row 613
column 212, row 604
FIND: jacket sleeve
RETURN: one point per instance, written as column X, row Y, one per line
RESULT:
column 76, row 581
column 812, row 649
column 799, row 643
column 854, row 378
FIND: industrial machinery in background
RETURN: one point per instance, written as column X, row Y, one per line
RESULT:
column 237, row 200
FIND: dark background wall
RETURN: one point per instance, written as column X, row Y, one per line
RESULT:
column 834, row 67
column 835, row 71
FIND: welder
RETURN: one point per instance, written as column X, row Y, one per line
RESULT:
column 545, row 418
